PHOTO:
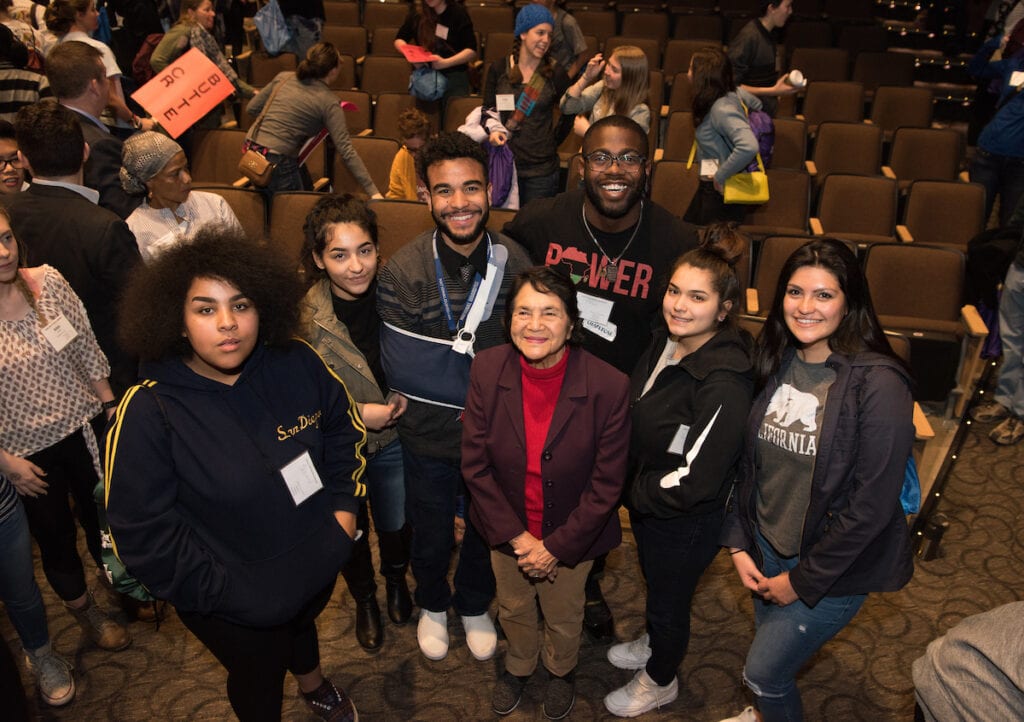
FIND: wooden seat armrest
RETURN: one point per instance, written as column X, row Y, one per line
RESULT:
column 320, row 183
column 816, row 227
column 664, row 111
column 244, row 55
column 888, row 172
column 659, row 153
column 241, row 183
column 812, row 169
column 360, row 60
column 868, row 121
column 922, row 428
column 904, row 234
column 365, row 133
column 800, row 116
column 964, row 177
column 753, row 306
column 972, row 321
column 229, row 125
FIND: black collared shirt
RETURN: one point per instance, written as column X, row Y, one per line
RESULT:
column 452, row 260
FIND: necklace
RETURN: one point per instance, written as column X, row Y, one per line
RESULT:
column 611, row 268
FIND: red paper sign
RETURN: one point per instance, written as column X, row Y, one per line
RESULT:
column 417, row 54
column 183, row 92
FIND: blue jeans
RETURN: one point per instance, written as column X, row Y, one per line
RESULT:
column 673, row 555
column 431, row 486
column 1002, row 176
column 539, row 186
column 1010, row 389
column 786, row 638
column 18, row 588
column 385, row 483
column 288, row 175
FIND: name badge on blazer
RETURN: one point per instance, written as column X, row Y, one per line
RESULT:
column 301, row 478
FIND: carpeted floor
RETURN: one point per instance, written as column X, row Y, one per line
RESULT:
column 863, row 674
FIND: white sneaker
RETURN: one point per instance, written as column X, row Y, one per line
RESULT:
column 54, row 680
column 641, row 694
column 631, row 655
column 747, row 715
column 432, row 634
column 481, row 638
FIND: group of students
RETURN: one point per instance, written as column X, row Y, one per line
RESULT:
column 236, row 471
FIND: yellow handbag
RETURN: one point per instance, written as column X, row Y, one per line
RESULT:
column 742, row 188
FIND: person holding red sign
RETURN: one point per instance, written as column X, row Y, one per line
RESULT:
column 193, row 31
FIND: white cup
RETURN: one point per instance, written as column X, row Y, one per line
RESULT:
column 796, row 79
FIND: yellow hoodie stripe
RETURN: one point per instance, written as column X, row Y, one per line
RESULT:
column 110, row 448
column 357, row 421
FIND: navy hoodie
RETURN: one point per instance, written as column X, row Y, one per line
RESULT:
column 198, row 508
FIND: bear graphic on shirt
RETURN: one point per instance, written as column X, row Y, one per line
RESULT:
column 790, row 406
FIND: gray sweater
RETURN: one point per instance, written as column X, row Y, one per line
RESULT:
column 299, row 111
column 725, row 135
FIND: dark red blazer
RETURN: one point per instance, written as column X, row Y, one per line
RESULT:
column 583, row 465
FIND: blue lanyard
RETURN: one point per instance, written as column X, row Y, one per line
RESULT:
column 443, row 291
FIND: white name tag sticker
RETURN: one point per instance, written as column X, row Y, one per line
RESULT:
column 1016, row 78
column 607, row 331
column 679, row 440
column 301, row 477
column 593, row 308
column 60, row 332
column 441, row 31
column 505, row 101
column 708, row 167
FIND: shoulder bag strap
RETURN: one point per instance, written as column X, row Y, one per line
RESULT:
column 259, row 120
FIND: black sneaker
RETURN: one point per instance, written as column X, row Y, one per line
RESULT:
column 508, row 691
column 330, row 703
column 559, row 696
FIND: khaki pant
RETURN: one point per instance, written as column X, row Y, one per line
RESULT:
column 562, row 604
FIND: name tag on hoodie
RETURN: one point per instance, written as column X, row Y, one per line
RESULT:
column 301, row 477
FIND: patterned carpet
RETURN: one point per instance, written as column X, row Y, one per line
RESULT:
column 864, row 674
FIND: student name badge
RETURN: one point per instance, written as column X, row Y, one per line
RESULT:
column 676, row 447
column 441, row 31
column 505, row 101
column 59, row 332
column 607, row 330
column 301, row 477
column 593, row 308
column 1017, row 78
column 708, row 167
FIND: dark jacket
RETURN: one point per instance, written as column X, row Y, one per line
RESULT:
column 103, row 168
column 92, row 248
column 583, row 464
column 709, row 392
column 855, row 538
column 197, row 504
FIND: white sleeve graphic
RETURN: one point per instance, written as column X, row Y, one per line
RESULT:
column 673, row 478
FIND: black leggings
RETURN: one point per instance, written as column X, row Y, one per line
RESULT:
column 69, row 470
column 257, row 658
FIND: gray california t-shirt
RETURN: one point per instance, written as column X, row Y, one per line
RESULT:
column 787, row 446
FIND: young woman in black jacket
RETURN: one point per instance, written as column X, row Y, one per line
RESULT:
column 691, row 393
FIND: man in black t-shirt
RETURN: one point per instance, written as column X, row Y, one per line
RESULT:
column 617, row 247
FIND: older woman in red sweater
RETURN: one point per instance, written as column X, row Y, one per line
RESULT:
column 544, row 490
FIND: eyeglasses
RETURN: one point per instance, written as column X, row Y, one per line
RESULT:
column 599, row 160
column 13, row 162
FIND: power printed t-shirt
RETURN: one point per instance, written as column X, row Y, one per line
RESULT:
column 787, row 446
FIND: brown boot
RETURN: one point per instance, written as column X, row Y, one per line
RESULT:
column 104, row 631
